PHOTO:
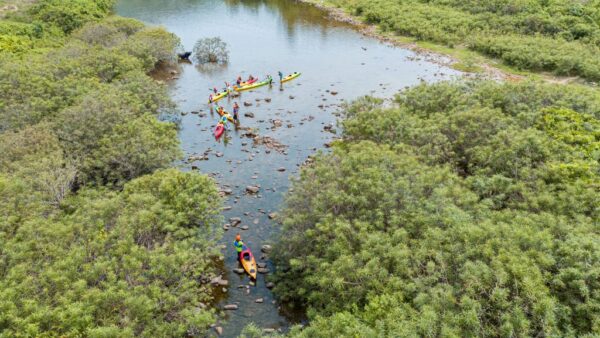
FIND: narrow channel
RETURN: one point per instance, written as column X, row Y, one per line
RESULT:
column 337, row 63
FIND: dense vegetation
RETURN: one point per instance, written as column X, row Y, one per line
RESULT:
column 464, row 209
column 560, row 36
column 96, row 237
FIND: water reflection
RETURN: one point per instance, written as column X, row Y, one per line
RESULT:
column 211, row 69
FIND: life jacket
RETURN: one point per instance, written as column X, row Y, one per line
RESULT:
column 239, row 245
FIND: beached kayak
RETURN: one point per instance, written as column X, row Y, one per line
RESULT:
column 248, row 261
column 254, row 85
column 216, row 97
column 219, row 130
column 222, row 113
column 290, row 77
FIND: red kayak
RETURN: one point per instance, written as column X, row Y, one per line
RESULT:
column 219, row 130
column 245, row 83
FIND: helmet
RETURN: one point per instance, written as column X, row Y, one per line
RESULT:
column 238, row 237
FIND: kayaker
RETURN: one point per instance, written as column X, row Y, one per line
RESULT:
column 210, row 97
column 280, row 76
column 215, row 90
column 250, row 78
column 270, row 79
column 239, row 80
column 236, row 108
column 238, row 244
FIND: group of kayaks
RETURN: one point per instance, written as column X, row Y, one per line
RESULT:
column 220, row 128
column 251, row 83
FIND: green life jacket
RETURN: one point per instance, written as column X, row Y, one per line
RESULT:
column 239, row 245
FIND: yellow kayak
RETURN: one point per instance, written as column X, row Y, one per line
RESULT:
column 222, row 113
column 290, row 77
column 248, row 262
column 254, row 85
column 216, row 97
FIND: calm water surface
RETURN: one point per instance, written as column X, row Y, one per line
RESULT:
column 265, row 36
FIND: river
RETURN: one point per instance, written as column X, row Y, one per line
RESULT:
column 265, row 36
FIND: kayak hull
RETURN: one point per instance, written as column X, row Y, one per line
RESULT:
column 290, row 77
column 246, row 83
column 219, row 130
column 218, row 96
column 252, row 86
column 248, row 262
column 226, row 114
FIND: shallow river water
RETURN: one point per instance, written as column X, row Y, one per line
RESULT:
column 265, row 36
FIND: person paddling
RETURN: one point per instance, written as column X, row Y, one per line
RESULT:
column 239, row 245
column 236, row 108
column 280, row 76
column 239, row 80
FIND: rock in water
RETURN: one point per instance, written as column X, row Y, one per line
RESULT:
column 252, row 189
column 266, row 248
column 230, row 307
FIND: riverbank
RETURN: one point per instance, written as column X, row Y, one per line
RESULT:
column 459, row 57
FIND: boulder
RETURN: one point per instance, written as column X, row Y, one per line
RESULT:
column 266, row 248
column 219, row 281
column 235, row 221
column 259, row 300
column 252, row 189
column 249, row 114
column 219, row 330
column 273, row 215
column 230, row 307
column 270, row 285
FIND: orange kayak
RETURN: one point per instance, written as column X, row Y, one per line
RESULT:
column 248, row 261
